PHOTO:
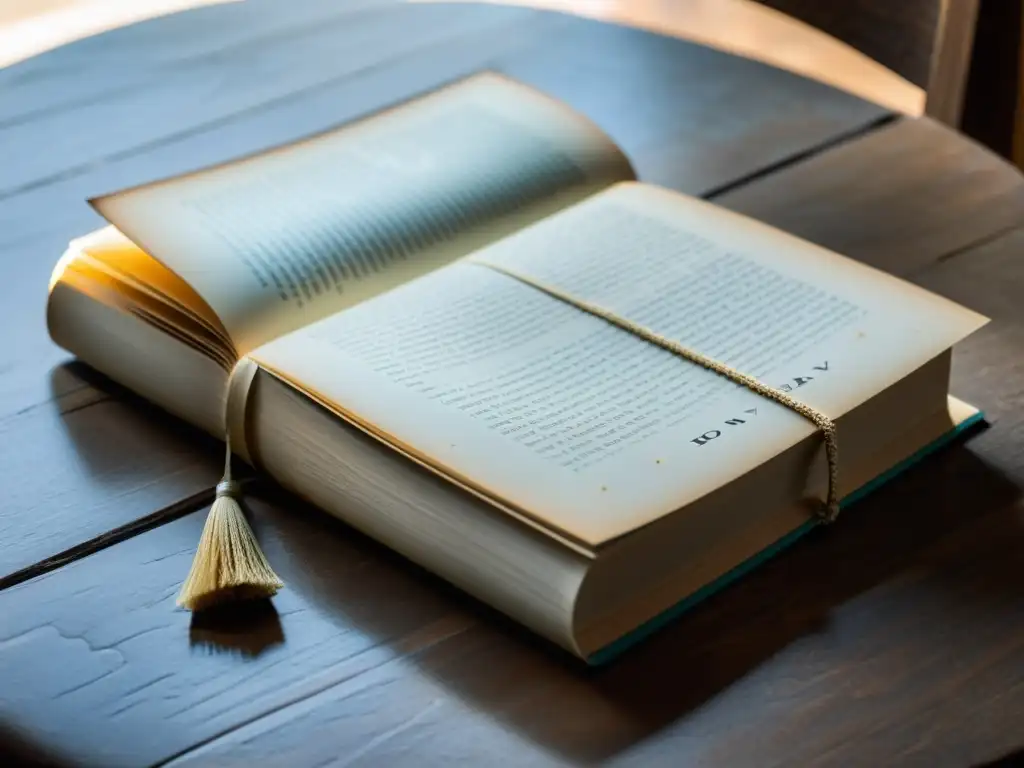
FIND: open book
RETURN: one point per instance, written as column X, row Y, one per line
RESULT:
column 345, row 309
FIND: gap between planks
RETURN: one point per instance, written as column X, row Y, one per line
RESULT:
column 806, row 154
column 511, row 25
column 179, row 509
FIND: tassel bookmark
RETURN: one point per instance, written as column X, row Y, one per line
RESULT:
column 229, row 564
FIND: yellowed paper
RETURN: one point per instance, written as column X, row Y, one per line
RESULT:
column 282, row 239
column 582, row 424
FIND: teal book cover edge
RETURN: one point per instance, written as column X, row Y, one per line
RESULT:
column 645, row 630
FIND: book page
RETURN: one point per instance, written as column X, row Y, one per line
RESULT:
column 582, row 425
column 278, row 240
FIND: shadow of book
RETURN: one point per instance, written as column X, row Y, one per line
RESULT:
column 137, row 426
column 16, row 749
column 673, row 680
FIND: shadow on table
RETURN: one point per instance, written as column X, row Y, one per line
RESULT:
column 953, row 506
column 583, row 714
column 138, row 424
column 15, row 750
column 88, row 468
column 1009, row 760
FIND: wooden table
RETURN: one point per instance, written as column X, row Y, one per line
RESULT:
column 896, row 637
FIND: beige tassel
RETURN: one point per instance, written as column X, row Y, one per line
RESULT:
column 229, row 564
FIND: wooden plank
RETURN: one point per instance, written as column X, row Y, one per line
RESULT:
column 688, row 116
column 733, row 116
column 188, row 665
column 897, row 635
column 194, row 93
column 897, row 198
column 126, row 59
column 93, row 459
column 211, row 89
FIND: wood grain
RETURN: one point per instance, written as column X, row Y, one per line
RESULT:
column 205, row 90
column 136, row 104
column 897, row 198
column 896, row 637
column 93, row 459
column 199, row 92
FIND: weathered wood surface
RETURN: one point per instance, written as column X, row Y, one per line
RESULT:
column 174, row 94
column 895, row 638
column 897, row 198
column 81, row 471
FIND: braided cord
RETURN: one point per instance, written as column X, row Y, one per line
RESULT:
column 830, row 508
